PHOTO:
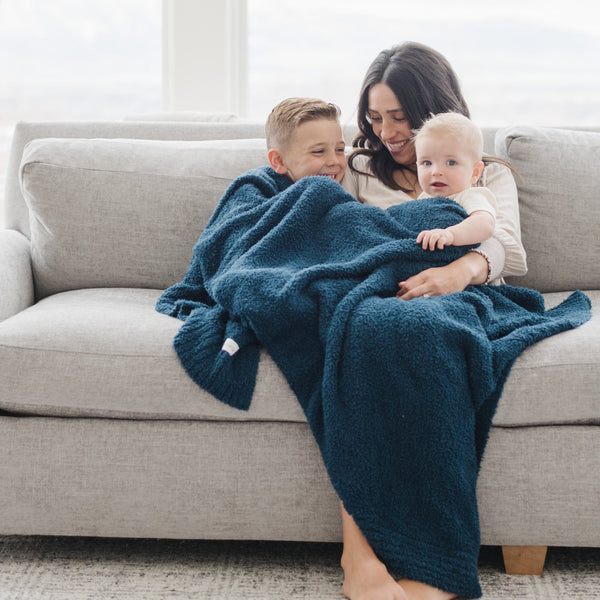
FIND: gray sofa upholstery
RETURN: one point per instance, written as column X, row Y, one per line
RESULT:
column 103, row 434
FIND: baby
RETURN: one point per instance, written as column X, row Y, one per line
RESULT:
column 449, row 149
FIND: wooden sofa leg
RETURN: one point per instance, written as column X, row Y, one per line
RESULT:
column 524, row 560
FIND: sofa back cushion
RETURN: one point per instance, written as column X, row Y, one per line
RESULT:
column 558, row 202
column 16, row 213
column 123, row 213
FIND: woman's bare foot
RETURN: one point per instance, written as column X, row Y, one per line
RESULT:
column 365, row 576
column 370, row 580
column 415, row 590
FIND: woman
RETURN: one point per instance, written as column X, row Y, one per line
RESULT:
column 404, row 86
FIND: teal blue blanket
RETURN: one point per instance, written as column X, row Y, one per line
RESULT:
column 398, row 394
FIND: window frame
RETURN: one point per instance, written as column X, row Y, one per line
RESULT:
column 205, row 41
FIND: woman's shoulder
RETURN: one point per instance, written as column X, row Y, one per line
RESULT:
column 495, row 173
column 357, row 171
column 360, row 160
column 359, row 166
column 360, row 181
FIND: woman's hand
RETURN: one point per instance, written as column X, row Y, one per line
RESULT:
column 470, row 269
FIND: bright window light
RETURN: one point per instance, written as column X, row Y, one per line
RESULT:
column 73, row 60
column 534, row 62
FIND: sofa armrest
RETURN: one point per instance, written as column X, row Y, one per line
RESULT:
column 16, row 277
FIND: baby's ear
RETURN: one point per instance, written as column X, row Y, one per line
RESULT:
column 477, row 171
column 276, row 161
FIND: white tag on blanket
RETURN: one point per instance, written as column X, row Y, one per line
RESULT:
column 230, row 346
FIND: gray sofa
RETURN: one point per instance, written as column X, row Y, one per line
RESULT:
column 103, row 434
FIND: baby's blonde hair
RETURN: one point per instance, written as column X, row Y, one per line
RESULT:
column 458, row 127
column 289, row 114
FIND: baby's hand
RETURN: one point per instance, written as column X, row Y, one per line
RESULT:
column 435, row 238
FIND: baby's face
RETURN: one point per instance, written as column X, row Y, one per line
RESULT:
column 444, row 165
column 316, row 148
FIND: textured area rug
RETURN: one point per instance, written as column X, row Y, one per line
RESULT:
column 59, row 568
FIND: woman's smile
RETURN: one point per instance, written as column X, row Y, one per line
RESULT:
column 390, row 124
column 397, row 147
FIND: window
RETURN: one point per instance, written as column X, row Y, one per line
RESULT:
column 72, row 60
column 534, row 62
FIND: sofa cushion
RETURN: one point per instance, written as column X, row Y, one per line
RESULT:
column 123, row 213
column 556, row 380
column 108, row 353
column 558, row 204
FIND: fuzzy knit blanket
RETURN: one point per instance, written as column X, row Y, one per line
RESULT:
column 398, row 394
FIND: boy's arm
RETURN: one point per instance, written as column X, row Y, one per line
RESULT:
column 478, row 226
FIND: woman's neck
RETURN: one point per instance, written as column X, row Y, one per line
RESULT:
column 407, row 179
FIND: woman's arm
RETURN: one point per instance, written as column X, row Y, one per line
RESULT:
column 470, row 269
column 507, row 232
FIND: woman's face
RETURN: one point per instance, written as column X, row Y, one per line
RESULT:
column 390, row 125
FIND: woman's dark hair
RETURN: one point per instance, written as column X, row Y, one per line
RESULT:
column 424, row 83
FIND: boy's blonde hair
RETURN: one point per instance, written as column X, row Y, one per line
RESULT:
column 458, row 127
column 289, row 114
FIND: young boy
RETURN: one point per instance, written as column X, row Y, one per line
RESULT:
column 304, row 137
column 449, row 149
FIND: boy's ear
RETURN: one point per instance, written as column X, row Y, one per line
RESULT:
column 276, row 161
column 477, row 171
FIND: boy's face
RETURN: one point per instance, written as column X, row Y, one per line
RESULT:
column 316, row 148
column 445, row 166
